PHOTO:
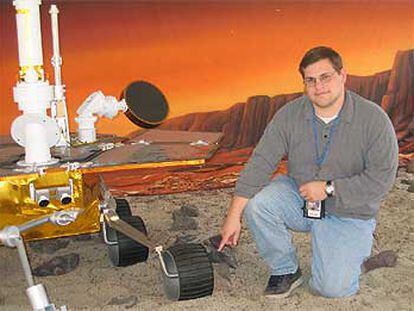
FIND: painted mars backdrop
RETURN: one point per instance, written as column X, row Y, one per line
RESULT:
column 224, row 66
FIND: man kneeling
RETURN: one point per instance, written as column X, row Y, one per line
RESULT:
column 342, row 160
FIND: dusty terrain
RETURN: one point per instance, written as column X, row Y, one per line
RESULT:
column 95, row 285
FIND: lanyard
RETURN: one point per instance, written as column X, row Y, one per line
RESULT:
column 320, row 159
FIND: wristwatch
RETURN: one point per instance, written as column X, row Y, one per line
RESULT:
column 329, row 188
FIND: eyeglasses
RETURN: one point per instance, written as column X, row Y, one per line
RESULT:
column 324, row 78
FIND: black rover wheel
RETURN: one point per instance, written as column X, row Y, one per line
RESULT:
column 122, row 208
column 126, row 251
column 195, row 277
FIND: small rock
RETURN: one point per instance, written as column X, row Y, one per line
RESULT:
column 411, row 188
column 49, row 246
column 189, row 211
column 181, row 222
column 406, row 181
column 58, row 265
column 381, row 260
column 225, row 256
column 129, row 301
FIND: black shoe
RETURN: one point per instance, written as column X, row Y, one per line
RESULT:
column 281, row 286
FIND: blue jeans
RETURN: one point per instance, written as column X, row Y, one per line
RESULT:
column 339, row 245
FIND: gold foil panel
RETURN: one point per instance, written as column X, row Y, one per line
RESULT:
column 17, row 207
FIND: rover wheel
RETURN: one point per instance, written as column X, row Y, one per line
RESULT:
column 194, row 272
column 122, row 208
column 125, row 251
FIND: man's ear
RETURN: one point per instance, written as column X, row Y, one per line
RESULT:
column 343, row 75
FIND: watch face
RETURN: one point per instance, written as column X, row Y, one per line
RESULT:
column 329, row 189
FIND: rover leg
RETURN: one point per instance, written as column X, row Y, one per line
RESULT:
column 187, row 270
column 11, row 236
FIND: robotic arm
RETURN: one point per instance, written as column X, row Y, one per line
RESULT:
column 96, row 104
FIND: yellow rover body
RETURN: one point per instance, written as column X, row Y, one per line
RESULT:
column 18, row 207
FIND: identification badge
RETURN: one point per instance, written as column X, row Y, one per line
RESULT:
column 315, row 210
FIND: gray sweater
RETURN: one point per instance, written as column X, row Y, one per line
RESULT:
column 362, row 159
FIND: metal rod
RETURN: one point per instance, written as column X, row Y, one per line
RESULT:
column 116, row 223
column 34, row 223
column 159, row 251
column 59, row 109
column 24, row 261
column 56, row 59
column 105, row 235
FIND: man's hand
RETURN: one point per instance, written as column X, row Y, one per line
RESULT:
column 313, row 191
column 230, row 232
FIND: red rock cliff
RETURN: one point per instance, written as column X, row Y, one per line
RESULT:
column 398, row 100
column 243, row 123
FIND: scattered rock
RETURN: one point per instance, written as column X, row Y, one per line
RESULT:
column 181, row 222
column 58, row 265
column 189, row 211
column 406, row 181
column 411, row 188
column 225, row 256
column 49, row 246
column 128, row 302
column 381, row 260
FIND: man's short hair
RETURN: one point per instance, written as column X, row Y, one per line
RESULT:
column 318, row 53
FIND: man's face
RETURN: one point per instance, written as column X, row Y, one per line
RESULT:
column 323, row 84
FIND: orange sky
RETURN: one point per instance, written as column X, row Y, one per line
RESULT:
column 204, row 55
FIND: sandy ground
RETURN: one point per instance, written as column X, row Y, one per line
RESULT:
column 95, row 285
